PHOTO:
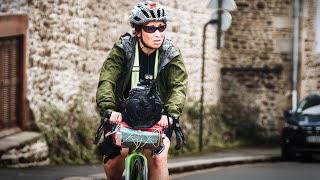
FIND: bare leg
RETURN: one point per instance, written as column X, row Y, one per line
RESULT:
column 114, row 167
column 158, row 166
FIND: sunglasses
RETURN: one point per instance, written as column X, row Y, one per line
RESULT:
column 152, row 29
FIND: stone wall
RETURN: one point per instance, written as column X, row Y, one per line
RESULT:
column 257, row 74
column 69, row 40
column 309, row 59
column 24, row 149
column 257, row 62
column 13, row 6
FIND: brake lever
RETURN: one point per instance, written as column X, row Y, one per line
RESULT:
column 104, row 121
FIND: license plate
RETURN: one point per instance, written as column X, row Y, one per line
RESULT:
column 313, row 139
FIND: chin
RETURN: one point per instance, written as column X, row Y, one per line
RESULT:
column 156, row 46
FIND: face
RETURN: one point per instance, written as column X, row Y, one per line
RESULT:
column 151, row 33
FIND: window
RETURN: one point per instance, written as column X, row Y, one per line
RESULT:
column 308, row 102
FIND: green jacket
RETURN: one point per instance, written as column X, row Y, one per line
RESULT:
column 172, row 78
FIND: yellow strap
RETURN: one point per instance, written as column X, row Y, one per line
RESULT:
column 156, row 65
column 136, row 67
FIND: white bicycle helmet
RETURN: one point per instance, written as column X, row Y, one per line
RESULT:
column 147, row 11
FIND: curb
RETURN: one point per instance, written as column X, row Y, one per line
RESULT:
column 180, row 167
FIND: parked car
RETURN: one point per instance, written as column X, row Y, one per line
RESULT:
column 301, row 133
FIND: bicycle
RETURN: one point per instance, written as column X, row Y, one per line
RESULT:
column 136, row 164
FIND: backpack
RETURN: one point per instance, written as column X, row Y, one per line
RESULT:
column 143, row 108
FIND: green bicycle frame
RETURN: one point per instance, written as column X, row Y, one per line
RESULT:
column 130, row 162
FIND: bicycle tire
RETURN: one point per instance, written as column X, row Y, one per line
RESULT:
column 138, row 171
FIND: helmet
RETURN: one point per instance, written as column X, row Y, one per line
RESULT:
column 147, row 11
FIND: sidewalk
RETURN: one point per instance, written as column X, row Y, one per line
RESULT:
column 224, row 158
column 176, row 165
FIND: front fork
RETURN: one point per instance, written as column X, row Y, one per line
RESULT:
column 130, row 159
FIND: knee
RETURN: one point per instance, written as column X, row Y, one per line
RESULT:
column 114, row 167
column 160, row 161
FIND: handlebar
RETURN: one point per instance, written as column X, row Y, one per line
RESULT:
column 180, row 139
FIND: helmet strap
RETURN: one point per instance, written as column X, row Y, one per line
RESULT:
column 144, row 44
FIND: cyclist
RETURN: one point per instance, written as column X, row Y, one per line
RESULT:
column 158, row 57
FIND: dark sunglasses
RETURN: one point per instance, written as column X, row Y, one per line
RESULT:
column 152, row 29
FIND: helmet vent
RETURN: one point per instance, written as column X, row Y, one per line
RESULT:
column 159, row 13
column 137, row 18
column 145, row 14
column 152, row 14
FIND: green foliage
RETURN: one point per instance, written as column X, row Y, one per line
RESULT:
column 216, row 134
column 69, row 134
column 194, row 110
column 242, row 119
column 226, row 125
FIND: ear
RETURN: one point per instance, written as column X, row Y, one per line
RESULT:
column 137, row 31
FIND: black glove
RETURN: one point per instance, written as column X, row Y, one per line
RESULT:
column 108, row 149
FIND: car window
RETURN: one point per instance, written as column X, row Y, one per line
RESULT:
column 314, row 110
column 307, row 103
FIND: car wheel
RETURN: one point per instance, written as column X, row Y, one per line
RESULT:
column 306, row 156
column 287, row 154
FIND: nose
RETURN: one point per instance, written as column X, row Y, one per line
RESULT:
column 157, row 32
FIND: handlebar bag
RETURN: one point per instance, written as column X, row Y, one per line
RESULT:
column 146, row 138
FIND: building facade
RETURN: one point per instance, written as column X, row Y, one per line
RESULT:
column 66, row 42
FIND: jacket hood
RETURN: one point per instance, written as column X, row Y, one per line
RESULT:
column 127, row 44
column 167, row 50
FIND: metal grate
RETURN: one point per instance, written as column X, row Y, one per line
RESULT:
column 10, row 80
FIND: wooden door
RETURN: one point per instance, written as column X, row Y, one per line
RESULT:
column 10, row 81
column 12, row 73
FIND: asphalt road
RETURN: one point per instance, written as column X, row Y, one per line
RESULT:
column 265, row 171
column 48, row 172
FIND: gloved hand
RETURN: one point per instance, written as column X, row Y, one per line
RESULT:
column 108, row 149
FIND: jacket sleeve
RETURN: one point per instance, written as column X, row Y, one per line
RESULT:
column 177, row 86
column 109, row 75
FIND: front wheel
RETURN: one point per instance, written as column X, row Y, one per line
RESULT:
column 138, row 169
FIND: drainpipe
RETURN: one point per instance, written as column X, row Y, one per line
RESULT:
column 213, row 21
column 296, row 16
